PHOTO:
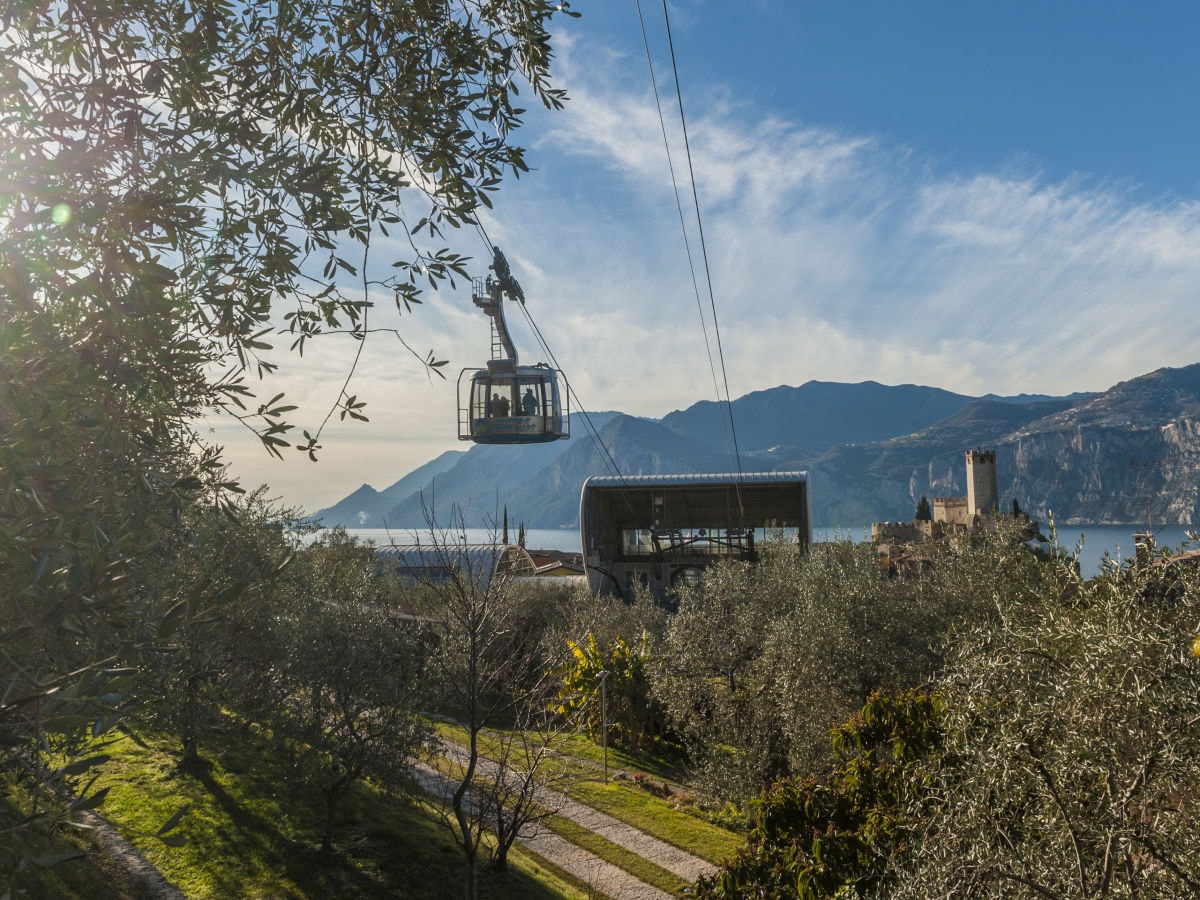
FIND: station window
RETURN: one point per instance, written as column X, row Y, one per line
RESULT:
column 636, row 542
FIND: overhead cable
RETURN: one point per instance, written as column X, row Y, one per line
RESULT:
column 725, row 431
column 700, row 230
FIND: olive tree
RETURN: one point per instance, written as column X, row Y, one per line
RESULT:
column 1073, row 745
column 709, row 678
column 178, row 181
column 1056, row 755
column 208, row 610
column 185, row 176
column 84, row 498
column 347, row 683
column 762, row 660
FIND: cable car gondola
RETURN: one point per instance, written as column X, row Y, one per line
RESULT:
column 506, row 402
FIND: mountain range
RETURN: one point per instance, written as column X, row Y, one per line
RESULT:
column 1127, row 455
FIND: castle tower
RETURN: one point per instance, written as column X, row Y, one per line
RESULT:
column 982, row 493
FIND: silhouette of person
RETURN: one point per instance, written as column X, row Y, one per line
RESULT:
column 529, row 402
column 498, row 406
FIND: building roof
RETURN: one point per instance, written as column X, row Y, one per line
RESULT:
column 728, row 500
column 434, row 562
column 698, row 478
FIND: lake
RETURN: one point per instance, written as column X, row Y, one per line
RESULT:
column 565, row 539
column 1117, row 542
column 1098, row 540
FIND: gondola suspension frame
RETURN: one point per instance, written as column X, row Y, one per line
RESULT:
column 506, row 402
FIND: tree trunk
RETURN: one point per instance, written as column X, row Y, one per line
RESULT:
column 471, row 887
column 462, row 815
column 333, row 797
column 189, row 736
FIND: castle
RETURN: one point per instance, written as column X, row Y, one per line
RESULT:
column 950, row 513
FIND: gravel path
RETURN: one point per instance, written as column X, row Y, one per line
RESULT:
column 599, row 874
column 611, row 881
column 592, row 870
column 680, row 862
column 662, row 854
column 150, row 882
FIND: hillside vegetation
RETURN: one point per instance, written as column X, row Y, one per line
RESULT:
column 1056, row 754
column 1000, row 726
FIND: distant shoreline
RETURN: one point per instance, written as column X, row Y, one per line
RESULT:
column 1098, row 540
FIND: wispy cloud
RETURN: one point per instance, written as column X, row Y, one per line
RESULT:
column 851, row 260
column 833, row 257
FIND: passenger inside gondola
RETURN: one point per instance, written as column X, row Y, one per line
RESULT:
column 499, row 405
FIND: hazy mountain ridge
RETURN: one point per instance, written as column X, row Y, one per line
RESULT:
column 847, row 414
column 476, row 488
column 871, row 450
column 367, row 507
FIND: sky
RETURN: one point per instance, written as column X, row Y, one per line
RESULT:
column 985, row 198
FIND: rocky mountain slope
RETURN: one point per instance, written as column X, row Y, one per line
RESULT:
column 1125, row 455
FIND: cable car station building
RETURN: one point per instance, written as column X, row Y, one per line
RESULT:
column 660, row 531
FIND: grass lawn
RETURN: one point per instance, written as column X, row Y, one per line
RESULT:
column 581, row 753
column 250, row 836
column 91, row 875
column 626, row 801
column 577, row 774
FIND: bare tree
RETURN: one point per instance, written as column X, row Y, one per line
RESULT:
column 492, row 670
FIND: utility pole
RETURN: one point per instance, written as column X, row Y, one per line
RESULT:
column 604, row 719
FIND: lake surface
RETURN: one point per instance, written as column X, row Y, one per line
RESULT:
column 565, row 539
column 1115, row 541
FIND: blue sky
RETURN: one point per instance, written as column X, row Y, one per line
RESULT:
column 1097, row 89
column 997, row 198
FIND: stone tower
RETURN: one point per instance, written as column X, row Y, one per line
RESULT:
column 982, row 494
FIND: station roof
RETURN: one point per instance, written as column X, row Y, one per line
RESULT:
column 729, row 500
column 691, row 479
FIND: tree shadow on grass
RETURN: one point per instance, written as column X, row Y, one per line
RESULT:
column 369, row 859
column 385, row 846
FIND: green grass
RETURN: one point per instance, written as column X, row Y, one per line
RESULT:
column 583, row 754
column 618, row 856
column 658, row 816
column 575, row 774
column 249, row 836
column 581, row 746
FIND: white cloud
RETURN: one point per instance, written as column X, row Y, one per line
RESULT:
column 833, row 258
